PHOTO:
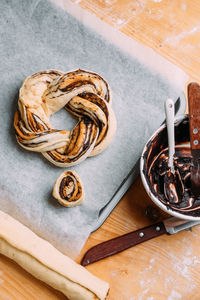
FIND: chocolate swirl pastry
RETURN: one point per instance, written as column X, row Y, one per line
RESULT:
column 68, row 189
column 84, row 94
column 175, row 194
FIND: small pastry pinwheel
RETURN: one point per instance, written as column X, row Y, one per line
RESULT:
column 84, row 94
column 68, row 189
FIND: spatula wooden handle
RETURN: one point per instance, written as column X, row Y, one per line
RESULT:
column 194, row 114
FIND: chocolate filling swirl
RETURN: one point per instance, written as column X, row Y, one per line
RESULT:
column 68, row 189
column 175, row 194
column 84, row 94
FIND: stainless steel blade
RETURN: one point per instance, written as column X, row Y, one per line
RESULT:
column 174, row 225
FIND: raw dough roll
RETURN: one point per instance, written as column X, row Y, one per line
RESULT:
column 46, row 263
column 68, row 189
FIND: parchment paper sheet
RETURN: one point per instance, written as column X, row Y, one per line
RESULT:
column 37, row 35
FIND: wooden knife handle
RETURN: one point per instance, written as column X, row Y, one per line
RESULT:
column 194, row 114
column 122, row 242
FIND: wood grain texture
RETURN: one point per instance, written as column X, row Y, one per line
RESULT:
column 194, row 113
column 166, row 267
column 122, row 242
column 171, row 28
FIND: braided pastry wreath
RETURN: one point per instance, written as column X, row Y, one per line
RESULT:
column 84, row 94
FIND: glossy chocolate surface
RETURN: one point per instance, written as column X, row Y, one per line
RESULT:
column 173, row 190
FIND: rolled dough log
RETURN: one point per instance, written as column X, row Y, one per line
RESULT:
column 46, row 263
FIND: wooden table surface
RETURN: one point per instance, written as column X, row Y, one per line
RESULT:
column 167, row 267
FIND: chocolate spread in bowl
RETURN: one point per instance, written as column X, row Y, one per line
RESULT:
column 156, row 167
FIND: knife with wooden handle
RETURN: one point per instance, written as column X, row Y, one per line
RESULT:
column 170, row 226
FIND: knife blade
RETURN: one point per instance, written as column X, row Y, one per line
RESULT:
column 113, row 246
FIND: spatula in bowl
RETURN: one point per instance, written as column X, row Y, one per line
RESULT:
column 194, row 120
column 173, row 186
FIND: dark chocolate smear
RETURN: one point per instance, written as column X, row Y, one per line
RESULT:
column 173, row 190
